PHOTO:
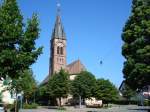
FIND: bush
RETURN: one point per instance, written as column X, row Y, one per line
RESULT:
column 125, row 102
column 61, row 108
column 11, row 107
column 30, row 106
column 147, row 102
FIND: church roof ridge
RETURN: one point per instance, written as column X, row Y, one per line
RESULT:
column 78, row 60
column 75, row 67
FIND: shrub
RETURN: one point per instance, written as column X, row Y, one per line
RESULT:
column 61, row 108
column 147, row 102
column 11, row 107
column 30, row 106
column 125, row 102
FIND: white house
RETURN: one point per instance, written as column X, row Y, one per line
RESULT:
column 7, row 98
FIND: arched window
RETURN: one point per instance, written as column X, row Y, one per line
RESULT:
column 58, row 50
column 61, row 51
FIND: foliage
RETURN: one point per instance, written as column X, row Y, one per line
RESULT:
column 58, row 85
column 146, row 102
column 105, row 91
column 125, row 102
column 11, row 107
column 17, row 40
column 61, row 108
column 127, row 92
column 26, row 84
column 83, row 85
column 136, row 48
column 42, row 90
column 42, row 96
column 30, row 106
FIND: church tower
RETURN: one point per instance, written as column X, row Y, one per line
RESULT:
column 58, row 46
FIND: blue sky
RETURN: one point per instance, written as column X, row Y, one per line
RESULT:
column 93, row 29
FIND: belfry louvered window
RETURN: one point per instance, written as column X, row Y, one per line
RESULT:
column 58, row 49
column 61, row 50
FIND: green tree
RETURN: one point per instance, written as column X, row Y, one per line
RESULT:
column 83, row 86
column 136, row 48
column 26, row 84
column 17, row 40
column 29, row 85
column 42, row 95
column 105, row 91
column 127, row 92
column 58, row 85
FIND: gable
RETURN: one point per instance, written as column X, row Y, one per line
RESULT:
column 75, row 67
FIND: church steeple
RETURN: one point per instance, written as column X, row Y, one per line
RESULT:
column 58, row 31
column 58, row 46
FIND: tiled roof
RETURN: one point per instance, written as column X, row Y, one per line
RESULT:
column 73, row 69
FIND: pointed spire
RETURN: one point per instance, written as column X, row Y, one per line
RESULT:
column 58, row 31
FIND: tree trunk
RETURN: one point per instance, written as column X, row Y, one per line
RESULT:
column 79, row 101
column 107, row 104
column 5, row 108
column 16, row 104
column 26, row 101
column 34, row 97
column 60, row 101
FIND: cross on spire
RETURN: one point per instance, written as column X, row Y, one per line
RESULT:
column 58, row 7
column 58, row 31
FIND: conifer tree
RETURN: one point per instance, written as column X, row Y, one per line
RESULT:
column 136, row 48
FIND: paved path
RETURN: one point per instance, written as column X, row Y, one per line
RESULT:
column 125, row 108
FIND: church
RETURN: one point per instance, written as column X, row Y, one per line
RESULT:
column 58, row 53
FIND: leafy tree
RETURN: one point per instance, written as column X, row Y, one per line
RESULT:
column 83, row 86
column 42, row 96
column 17, row 40
column 136, row 48
column 105, row 91
column 26, row 84
column 58, row 85
column 127, row 92
column 29, row 85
